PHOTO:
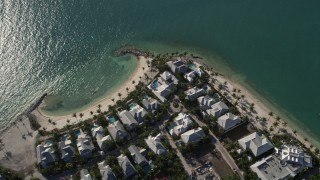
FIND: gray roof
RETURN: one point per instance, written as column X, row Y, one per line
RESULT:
column 155, row 145
column 177, row 66
column 45, row 156
column 106, row 171
column 117, row 131
column 294, row 155
column 66, row 150
column 127, row 118
column 126, row 165
column 218, row 109
column 258, row 144
column 84, row 144
column 271, row 168
column 98, row 133
column 85, row 175
column 138, row 157
column 138, row 113
column 151, row 104
column 193, row 135
column 228, row 121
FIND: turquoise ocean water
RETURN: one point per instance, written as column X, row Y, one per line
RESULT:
column 65, row 48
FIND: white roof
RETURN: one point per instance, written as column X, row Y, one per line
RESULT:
column 258, row 144
column 155, row 144
column 193, row 135
column 295, row 155
column 218, row 109
column 228, row 121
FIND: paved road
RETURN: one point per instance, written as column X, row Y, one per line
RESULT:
column 225, row 154
column 187, row 168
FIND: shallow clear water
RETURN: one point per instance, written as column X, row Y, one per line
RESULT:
column 65, row 48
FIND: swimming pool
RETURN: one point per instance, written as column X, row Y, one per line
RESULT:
column 132, row 105
column 77, row 132
column 155, row 84
column 48, row 142
column 112, row 119
column 64, row 137
column 192, row 67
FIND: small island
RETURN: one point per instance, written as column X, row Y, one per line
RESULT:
column 175, row 118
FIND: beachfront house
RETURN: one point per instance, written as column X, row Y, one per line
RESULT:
column 84, row 144
column 106, row 171
column 182, row 123
column 190, row 76
column 137, row 156
column 164, row 85
column 228, row 121
column 217, row 109
column 127, row 119
column 138, row 112
column 127, row 167
column 205, row 102
column 283, row 164
column 194, row 93
column 193, row 135
column 98, row 133
column 150, row 104
column 85, row 175
column 257, row 143
column 296, row 156
column 45, row 156
column 117, row 131
column 154, row 143
column 177, row 66
column 66, row 150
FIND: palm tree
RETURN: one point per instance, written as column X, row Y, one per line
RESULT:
column 91, row 112
column 119, row 94
column 2, row 144
column 270, row 114
column 68, row 121
column 74, row 115
column 284, row 124
column 50, row 121
column 54, row 124
column 99, row 106
column 81, row 115
column 275, row 124
column 295, row 132
column 127, row 89
column 133, row 82
column 143, row 68
column 306, row 139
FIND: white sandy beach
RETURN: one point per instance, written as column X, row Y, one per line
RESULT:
column 261, row 110
column 61, row 121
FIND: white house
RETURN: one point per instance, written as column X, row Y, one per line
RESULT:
column 127, row 119
column 154, row 143
column 183, row 123
column 117, row 131
column 137, row 156
column 286, row 162
column 177, row 66
column 193, row 135
column 85, row 175
column 106, row 171
column 66, row 150
column 294, row 155
column 217, row 109
column 98, row 133
column 163, row 86
column 151, row 104
column 45, row 156
column 84, row 144
column 258, row 144
column 205, row 102
column 138, row 113
column 194, row 93
column 228, row 121
column 127, row 167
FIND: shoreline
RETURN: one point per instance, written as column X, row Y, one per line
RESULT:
column 263, row 106
column 106, row 100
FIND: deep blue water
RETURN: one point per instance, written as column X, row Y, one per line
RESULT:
column 65, row 48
